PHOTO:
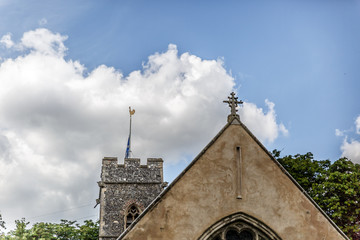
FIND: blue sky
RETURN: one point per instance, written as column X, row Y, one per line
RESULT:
column 302, row 56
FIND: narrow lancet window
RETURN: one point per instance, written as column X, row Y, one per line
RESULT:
column 238, row 173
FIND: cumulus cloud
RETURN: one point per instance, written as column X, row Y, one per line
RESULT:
column 44, row 42
column 6, row 41
column 263, row 125
column 58, row 120
column 357, row 125
column 339, row 133
column 351, row 148
column 40, row 41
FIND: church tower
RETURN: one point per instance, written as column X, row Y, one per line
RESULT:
column 126, row 190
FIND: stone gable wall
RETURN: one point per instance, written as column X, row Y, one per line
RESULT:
column 207, row 193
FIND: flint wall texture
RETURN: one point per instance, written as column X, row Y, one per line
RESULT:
column 125, row 184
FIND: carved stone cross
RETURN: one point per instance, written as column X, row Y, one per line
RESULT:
column 233, row 103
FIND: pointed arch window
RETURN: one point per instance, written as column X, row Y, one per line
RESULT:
column 239, row 232
column 239, row 226
column 131, row 214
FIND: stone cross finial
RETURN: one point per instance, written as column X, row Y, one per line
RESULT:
column 233, row 103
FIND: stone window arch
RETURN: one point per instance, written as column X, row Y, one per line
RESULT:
column 132, row 212
column 239, row 226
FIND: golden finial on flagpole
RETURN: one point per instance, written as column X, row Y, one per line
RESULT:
column 132, row 112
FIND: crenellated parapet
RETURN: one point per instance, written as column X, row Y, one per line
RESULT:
column 132, row 171
column 125, row 187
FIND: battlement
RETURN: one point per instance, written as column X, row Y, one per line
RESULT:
column 132, row 171
column 126, row 183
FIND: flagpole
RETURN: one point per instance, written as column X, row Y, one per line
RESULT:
column 128, row 147
column 130, row 134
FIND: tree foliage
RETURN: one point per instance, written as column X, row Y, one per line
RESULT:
column 2, row 224
column 334, row 186
column 65, row 230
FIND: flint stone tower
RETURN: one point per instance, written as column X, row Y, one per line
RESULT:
column 125, row 191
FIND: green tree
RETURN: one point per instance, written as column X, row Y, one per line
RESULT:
column 65, row 230
column 304, row 169
column 43, row 231
column 2, row 223
column 334, row 186
column 2, row 226
column 20, row 231
column 89, row 230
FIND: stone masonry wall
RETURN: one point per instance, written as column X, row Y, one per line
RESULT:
column 122, row 185
column 132, row 171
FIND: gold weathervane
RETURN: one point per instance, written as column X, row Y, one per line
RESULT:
column 132, row 112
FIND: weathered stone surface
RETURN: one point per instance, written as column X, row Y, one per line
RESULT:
column 122, row 185
column 132, row 171
column 206, row 193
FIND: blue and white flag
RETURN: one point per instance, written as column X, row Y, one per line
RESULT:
column 128, row 148
column 127, row 153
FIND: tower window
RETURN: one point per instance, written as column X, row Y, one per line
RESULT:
column 132, row 213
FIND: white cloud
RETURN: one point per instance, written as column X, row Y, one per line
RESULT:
column 263, row 125
column 339, row 133
column 6, row 41
column 357, row 124
column 351, row 148
column 57, row 121
column 43, row 41
column 40, row 41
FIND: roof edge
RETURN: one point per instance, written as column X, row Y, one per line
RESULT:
column 158, row 198
column 233, row 121
column 294, row 181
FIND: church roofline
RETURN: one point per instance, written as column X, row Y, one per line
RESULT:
column 234, row 121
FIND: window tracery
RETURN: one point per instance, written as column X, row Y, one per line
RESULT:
column 239, row 226
column 132, row 213
column 239, row 231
